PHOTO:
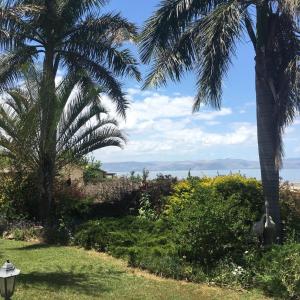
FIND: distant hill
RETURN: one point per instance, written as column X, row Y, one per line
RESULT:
column 217, row 164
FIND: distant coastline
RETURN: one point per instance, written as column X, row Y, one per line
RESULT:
column 290, row 175
column 200, row 165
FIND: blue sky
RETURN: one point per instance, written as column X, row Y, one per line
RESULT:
column 160, row 124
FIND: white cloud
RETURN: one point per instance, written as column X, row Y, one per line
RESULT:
column 161, row 126
column 182, row 142
column 245, row 107
column 212, row 123
column 135, row 91
column 211, row 115
column 297, row 150
column 155, row 106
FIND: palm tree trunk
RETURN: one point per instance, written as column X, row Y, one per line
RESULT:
column 266, row 134
column 48, row 136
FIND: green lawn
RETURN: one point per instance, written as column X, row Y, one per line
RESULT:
column 51, row 272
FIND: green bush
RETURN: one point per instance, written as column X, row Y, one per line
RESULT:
column 290, row 211
column 18, row 197
column 149, row 245
column 23, row 230
column 26, row 234
column 204, row 234
column 93, row 235
column 70, row 208
column 170, row 266
column 92, row 172
column 122, row 236
column 157, row 190
column 145, row 208
column 213, row 217
column 279, row 271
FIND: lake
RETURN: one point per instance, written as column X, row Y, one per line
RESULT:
column 292, row 175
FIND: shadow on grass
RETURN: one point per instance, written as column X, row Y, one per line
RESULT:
column 78, row 280
column 35, row 247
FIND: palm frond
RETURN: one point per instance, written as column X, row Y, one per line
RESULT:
column 84, row 130
column 112, row 28
column 17, row 101
column 14, row 29
column 18, row 130
column 76, row 106
column 66, row 132
column 169, row 22
column 284, row 76
column 109, row 136
column 11, row 65
column 173, row 61
column 219, row 32
column 100, row 74
column 72, row 10
column 120, row 62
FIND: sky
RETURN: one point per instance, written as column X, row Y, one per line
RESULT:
column 160, row 125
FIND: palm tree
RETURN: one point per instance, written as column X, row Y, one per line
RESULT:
column 201, row 35
column 82, row 124
column 68, row 36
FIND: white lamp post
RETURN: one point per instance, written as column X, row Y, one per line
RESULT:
column 8, row 275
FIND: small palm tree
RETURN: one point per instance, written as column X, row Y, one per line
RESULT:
column 184, row 35
column 69, row 36
column 82, row 123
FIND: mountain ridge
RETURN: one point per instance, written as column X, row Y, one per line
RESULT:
column 216, row 164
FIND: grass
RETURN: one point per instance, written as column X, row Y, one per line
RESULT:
column 52, row 272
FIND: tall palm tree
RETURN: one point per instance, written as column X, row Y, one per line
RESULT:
column 69, row 36
column 82, row 124
column 201, row 35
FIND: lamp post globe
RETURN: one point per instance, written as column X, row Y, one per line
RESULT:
column 8, row 274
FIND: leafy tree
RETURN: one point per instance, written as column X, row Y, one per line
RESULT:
column 201, row 35
column 67, row 35
column 82, row 124
column 92, row 172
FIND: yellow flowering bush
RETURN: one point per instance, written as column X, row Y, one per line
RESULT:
column 181, row 194
column 249, row 190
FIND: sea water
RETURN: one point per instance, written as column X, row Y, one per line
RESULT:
column 292, row 175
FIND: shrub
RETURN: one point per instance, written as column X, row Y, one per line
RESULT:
column 290, row 211
column 248, row 190
column 213, row 217
column 18, row 197
column 149, row 245
column 70, row 202
column 279, row 271
column 122, row 236
column 181, row 195
column 168, row 266
column 145, row 208
column 130, row 195
column 92, row 172
column 23, row 230
column 70, row 208
column 157, row 190
column 115, row 197
column 93, row 235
